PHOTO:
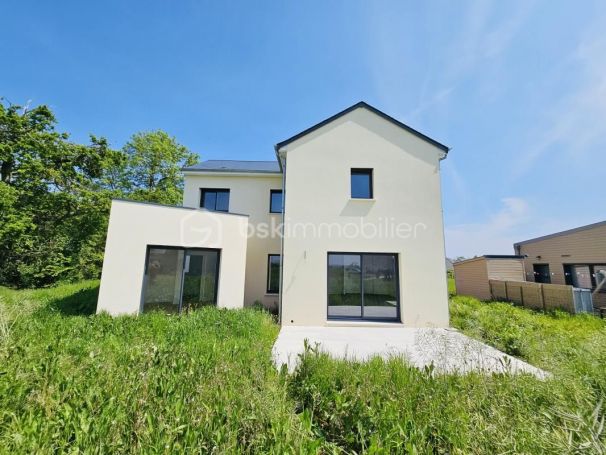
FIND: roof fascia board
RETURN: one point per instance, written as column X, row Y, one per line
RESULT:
column 179, row 207
column 361, row 104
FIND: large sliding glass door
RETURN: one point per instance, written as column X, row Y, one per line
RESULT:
column 180, row 279
column 344, row 285
column 363, row 286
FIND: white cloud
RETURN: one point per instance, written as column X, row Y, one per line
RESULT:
column 516, row 220
column 485, row 35
column 575, row 122
column 479, row 43
column 424, row 104
column 494, row 236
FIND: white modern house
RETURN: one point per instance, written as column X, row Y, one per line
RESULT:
column 343, row 228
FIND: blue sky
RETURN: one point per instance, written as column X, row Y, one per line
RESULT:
column 517, row 89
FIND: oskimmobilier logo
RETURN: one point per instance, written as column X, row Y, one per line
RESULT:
column 383, row 228
column 207, row 231
column 197, row 231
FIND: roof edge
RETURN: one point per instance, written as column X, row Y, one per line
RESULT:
column 229, row 171
column 490, row 256
column 372, row 109
column 558, row 234
column 168, row 206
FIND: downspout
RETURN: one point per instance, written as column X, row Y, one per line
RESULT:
column 283, row 168
column 443, row 157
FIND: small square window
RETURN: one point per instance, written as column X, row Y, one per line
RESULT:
column 275, row 201
column 361, row 183
column 273, row 274
column 214, row 199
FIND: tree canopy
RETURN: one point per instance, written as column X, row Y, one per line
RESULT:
column 55, row 194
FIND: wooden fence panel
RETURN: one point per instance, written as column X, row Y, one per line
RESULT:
column 558, row 296
column 536, row 296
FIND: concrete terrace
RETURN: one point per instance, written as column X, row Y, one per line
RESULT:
column 447, row 349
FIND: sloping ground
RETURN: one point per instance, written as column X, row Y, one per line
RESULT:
column 445, row 350
column 154, row 383
column 73, row 381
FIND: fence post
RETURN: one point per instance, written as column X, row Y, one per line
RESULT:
column 522, row 295
column 543, row 298
column 506, row 292
column 491, row 291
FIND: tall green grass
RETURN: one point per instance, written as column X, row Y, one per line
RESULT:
column 72, row 381
column 452, row 287
column 153, row 383
column 389, row 406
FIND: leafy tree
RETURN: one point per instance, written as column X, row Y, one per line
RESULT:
column 22, row 132
column 153, row 167
column 55, row 199
column 55, row 195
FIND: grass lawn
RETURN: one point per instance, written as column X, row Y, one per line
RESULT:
column 452, row 289
column 71, row 381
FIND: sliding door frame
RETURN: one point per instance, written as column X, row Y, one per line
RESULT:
column 361, row 254
column 185, row 250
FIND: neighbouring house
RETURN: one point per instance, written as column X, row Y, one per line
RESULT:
column 344, row 227
column 472, row 276
column 565, row 270
column 575, row 257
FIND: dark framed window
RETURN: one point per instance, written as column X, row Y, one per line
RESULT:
column 361, row 184
column 587, row 276
column 215, row 199
column 180, row 279
column 273, row 273
column 275, row 201
column 363, row 286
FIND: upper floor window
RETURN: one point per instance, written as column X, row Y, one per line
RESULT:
column 275, row 201
column 361, row 183
column 215, row 199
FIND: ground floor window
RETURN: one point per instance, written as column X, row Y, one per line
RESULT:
column 363, row 286
column 588, row 276
column 273, row 274
column 180, row 279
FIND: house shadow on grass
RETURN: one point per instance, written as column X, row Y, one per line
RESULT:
column 81, row 303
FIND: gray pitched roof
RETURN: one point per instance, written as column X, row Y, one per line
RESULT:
column 263, row 167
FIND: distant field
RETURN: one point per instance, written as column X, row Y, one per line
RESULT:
column 73, row 381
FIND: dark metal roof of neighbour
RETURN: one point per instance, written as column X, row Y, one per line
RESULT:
column 261, row 167
column 362, row 104
column 490, row 256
